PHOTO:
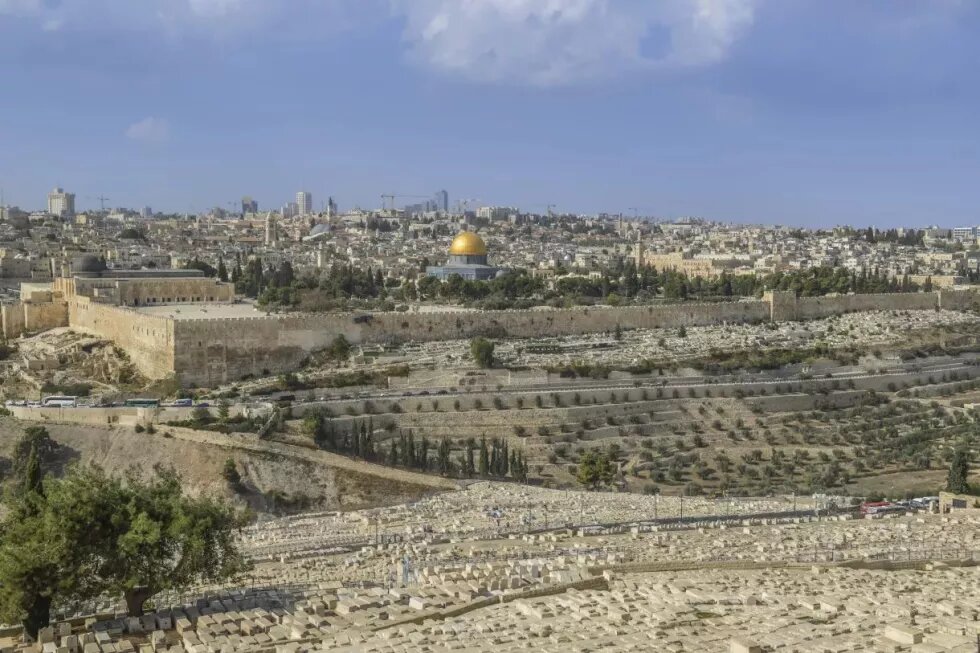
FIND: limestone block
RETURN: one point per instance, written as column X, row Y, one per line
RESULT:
column 148, row 623
column 741, row 645
column 928, row 648
column 903, row 634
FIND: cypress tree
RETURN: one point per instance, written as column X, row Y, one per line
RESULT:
column 959, row 471
column 484, row 458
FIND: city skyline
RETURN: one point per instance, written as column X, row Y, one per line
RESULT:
column 801, row 113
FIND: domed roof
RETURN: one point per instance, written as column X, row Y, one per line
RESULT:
column 468, row 243
column 87, row 263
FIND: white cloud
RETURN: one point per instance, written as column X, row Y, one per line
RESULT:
column 541, row 42
column 149, row 130
column 552, row 42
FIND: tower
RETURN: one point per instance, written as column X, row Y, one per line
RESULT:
column 61, row 204
column 270, row 229
column 304, row 203
column 442, row 201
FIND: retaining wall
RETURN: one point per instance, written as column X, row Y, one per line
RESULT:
column 208, row 352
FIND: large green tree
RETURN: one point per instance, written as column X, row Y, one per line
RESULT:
column 482, row 351
column 595, row 469
column 92, row 534
column 959, row 471
column 37, row 561
column 146, row 535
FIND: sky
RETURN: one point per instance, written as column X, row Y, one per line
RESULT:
column 802, row 112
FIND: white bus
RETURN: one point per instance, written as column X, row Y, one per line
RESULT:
column 59, row 402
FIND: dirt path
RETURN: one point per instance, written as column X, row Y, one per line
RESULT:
column 250, row 443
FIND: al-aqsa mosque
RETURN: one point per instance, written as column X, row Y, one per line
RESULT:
column 467, row 258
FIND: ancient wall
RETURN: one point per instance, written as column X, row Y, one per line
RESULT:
column 959, row 300
column 221, row 350
column 213, row 351
column 12, row 318
column 148, row 339
column 32, row 317
column 45, row 315
column 787, row 307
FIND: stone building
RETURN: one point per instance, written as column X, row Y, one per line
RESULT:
column 467, row 258
column 92, row 279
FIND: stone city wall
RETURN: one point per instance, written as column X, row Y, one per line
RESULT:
column 212, row 351
column 147, row 339
column 787, row 307
column 12, row 319
column 219, row 350
column 32, row 317
column 959, row 300
column 44, row 316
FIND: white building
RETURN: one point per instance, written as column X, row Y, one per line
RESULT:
column 289, row 210
column 61, row 204
column 304, row 203
column 964, row 233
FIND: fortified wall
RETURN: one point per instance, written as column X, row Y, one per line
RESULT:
column 147, row 339
column 41, row 311
column 211, row 351
column 223, row 349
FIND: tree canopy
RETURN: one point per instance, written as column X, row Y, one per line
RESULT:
column 482, row 351
column 91, row 534
column 595, row 469
column 959, row 471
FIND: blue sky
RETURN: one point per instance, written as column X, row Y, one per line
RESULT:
column 809, row 112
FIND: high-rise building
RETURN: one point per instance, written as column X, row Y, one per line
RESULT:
column 331, row 208
column 442, row 201
column 146, row 212
column 61, row 204
column 304, row 203
column 289, row 210
column 249, row 205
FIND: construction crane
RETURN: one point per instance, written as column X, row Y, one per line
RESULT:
column 102, row 200
column 393, row 196
column 462, row 205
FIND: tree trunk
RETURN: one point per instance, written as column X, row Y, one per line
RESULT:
column 135, row 598
column 38, row 617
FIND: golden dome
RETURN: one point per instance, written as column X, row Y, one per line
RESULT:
column 468, row 243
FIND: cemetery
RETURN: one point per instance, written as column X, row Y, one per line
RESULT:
column 505, row 567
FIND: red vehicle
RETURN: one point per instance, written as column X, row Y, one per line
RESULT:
column 879, row 507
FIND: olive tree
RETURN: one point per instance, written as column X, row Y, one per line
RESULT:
column 91, row 534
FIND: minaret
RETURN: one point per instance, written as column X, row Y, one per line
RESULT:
column 270, row 229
